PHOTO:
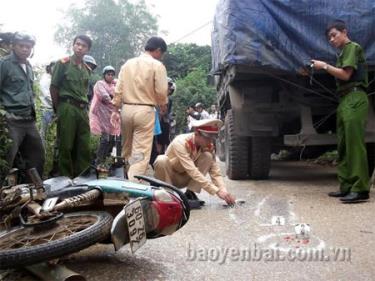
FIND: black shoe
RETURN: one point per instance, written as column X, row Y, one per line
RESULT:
column 194, row 204
column 337, row 194
column 193, row 197
column 355, row 197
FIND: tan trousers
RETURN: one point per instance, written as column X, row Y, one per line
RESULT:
column 137, row 126
column 164, row 171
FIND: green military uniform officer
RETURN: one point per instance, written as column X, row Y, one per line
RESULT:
column 352, row 80
column 351, row 121
column 69, row 95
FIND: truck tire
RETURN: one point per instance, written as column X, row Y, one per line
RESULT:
column 259, row 157
column 371, row 157
column 236, row 150
column 220, row 145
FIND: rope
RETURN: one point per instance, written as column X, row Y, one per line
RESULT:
column 192, row 32
column 301, row 87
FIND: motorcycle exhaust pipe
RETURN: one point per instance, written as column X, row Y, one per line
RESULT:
column 54, row 272
column 75, row 201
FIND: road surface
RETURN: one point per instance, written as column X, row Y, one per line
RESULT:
column 257, row 240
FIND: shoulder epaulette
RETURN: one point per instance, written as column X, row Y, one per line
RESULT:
column 65, row 60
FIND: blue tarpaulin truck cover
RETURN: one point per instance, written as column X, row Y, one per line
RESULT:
column 284, row 35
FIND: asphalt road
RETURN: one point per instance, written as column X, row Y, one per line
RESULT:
column 253, row 241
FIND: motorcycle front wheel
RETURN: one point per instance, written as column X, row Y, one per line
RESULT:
column 23, row 246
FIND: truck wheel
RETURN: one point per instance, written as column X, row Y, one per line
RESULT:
column 371, row 157
column 259, row 157
column 220, row 145
column 236, row 151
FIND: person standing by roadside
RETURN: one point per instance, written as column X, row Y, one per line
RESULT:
column 352, row 81
column 142, row 84
column 5, row 43
column 91, row 63
column 162, row 139
column 46, row 102
column 69, row 97
column 17, row 99
column 203, row 113
column 191, row 115
column 214, row 114
column 100, row 114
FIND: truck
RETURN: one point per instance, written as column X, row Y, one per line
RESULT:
column 269, row 98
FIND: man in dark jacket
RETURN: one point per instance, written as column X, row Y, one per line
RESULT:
column 17, row 99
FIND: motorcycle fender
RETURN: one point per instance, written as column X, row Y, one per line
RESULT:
column 119, row 231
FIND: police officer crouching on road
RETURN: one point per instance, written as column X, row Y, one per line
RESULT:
column 189, row 158
column 17, row 99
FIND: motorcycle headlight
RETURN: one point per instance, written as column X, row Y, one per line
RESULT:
column 163, row 196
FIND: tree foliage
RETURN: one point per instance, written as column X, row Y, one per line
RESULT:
column 189, row 65
column 119, row 29
column 191, row 89
column 5, row 143
column 184, row 58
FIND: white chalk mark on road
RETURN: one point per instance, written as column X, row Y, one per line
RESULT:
column 259, row 206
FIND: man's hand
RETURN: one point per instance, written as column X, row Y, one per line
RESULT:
column 318, row 64
column 115, row 119
column 163, row 109
column 54, row 91
column 226, row 196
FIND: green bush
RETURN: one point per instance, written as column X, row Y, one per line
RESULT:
column 5, row 143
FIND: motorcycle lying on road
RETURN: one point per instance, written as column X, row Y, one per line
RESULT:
column 46, row 220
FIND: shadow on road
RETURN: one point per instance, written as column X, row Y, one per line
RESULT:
column 295, row 171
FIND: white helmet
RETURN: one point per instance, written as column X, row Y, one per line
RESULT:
column 90, row 60
column 108, row 68
column 171, row 85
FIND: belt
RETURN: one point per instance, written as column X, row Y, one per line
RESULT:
column 144, row 104
column 352, row 89
column 76, row 103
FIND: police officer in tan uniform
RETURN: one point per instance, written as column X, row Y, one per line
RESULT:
column 142, row 84
column 190, row 157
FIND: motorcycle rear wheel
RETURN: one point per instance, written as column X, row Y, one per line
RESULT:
column 23, row 246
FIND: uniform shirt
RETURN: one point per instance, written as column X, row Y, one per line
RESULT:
column 16, row 87
column 352, row 55
column 142, row 80
column 71, row 79
column 182, row 152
